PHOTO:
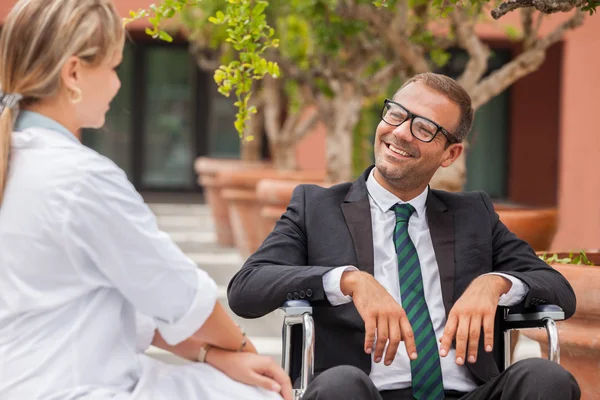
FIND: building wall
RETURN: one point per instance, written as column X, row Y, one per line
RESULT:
column 579, row 172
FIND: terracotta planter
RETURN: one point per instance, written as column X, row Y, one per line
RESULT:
column 580, row 335
column 207, row 169
column 274, row 196
column 239, row 192
column 537, row 226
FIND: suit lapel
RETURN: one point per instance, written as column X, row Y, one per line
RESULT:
column 441, row 228
column 357, row 212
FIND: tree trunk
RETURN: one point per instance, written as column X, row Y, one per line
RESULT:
column 283, row 155
column 343, row 115
column 251, row 150
column 453, row 178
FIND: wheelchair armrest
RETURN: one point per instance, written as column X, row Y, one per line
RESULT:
column 296, row 307
column 540, row 316
column 533, row 317
column 299, row 312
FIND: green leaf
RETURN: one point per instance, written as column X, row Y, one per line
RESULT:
column 440, row 57
column 512, row 32
column 165, row 36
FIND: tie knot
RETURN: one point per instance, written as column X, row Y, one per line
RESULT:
column 403, row 211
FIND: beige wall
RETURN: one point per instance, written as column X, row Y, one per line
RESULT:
column 579, row 185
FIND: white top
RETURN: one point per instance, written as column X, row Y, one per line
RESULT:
column 398, row 375
column 80, row 252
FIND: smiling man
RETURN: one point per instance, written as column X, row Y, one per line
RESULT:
column 405, row 281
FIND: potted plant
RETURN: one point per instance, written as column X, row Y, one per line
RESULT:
column 580, row 335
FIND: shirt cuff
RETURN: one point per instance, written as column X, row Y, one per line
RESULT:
column 202, row 307
column 517, row 292
column 331, row 285
column 145, row 329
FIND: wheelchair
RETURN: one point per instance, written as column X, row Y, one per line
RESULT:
column 299, row 312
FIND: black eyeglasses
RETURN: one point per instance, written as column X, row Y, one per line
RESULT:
column 422, row 128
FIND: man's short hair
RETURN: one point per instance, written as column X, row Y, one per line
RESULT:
column 455, row 92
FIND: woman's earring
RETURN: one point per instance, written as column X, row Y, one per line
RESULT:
column 77, row 96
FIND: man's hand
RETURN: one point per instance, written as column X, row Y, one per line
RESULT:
column 380, row 312
column 476, row 307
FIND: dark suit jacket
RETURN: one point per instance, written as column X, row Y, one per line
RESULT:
column 324, row 228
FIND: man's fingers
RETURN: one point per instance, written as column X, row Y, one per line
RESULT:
column 474, row 333
column 394, row 340
column 370, row 325
column 449, row 332
column 462, row 336
column 408, row 336
column 382, row 337
column 488, row 332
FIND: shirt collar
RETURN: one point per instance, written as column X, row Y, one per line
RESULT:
column 385, row 199
column 30, row 119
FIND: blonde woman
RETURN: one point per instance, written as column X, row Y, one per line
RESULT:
column 87, row 280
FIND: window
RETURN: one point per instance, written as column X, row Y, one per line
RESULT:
column 487, row 156
column 167, row 113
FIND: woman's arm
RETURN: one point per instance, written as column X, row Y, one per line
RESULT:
column 220, row 331
column 245, row 367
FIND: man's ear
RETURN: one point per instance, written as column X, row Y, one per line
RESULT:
column 451, row 154
column 71, row 73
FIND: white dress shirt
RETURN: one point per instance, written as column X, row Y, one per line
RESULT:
column 85, row 278
column 398, row 374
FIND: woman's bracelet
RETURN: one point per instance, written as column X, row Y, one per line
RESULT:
column 244, row 340
column 202, row 353
column 204, row 349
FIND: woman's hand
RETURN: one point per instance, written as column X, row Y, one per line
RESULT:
column 251, row 369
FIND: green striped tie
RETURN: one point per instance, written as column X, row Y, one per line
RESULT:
column 426, row 369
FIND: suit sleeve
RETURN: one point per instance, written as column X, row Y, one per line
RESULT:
column 515, row 257
column 278, row 270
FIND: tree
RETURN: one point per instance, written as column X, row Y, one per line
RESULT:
column 337, row 53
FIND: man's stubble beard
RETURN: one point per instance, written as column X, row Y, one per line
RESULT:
column 404, row 180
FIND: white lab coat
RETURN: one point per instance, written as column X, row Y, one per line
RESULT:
column 82, row 261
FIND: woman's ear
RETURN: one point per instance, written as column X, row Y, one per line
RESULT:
column 71, row 73
column 451, row 154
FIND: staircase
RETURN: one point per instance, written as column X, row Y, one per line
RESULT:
column 191, row 227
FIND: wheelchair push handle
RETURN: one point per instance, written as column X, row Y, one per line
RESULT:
column 299, row 312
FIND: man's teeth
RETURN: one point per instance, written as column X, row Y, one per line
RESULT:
column 398, row 151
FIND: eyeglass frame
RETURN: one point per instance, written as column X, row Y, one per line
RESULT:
column 411, row 116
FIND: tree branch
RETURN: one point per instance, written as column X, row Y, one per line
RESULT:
column 306, row 125
column 469, row 41
column 395, row 33
column 527, row 62
column 383, row 76
column 273, row 99
column 545, row 6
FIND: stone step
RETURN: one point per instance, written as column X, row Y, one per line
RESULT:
column 161, row 209
column 191, row 227
column 267, row 326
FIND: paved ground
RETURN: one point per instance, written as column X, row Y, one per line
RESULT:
column 191, row 227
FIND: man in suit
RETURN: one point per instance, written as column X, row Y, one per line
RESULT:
column 406, row 281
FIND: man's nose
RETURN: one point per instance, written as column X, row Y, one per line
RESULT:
column 402, row 131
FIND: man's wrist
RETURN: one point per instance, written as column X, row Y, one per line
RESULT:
column 348, row 282
column 500, row 283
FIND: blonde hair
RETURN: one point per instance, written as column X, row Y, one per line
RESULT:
column 38, row 38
